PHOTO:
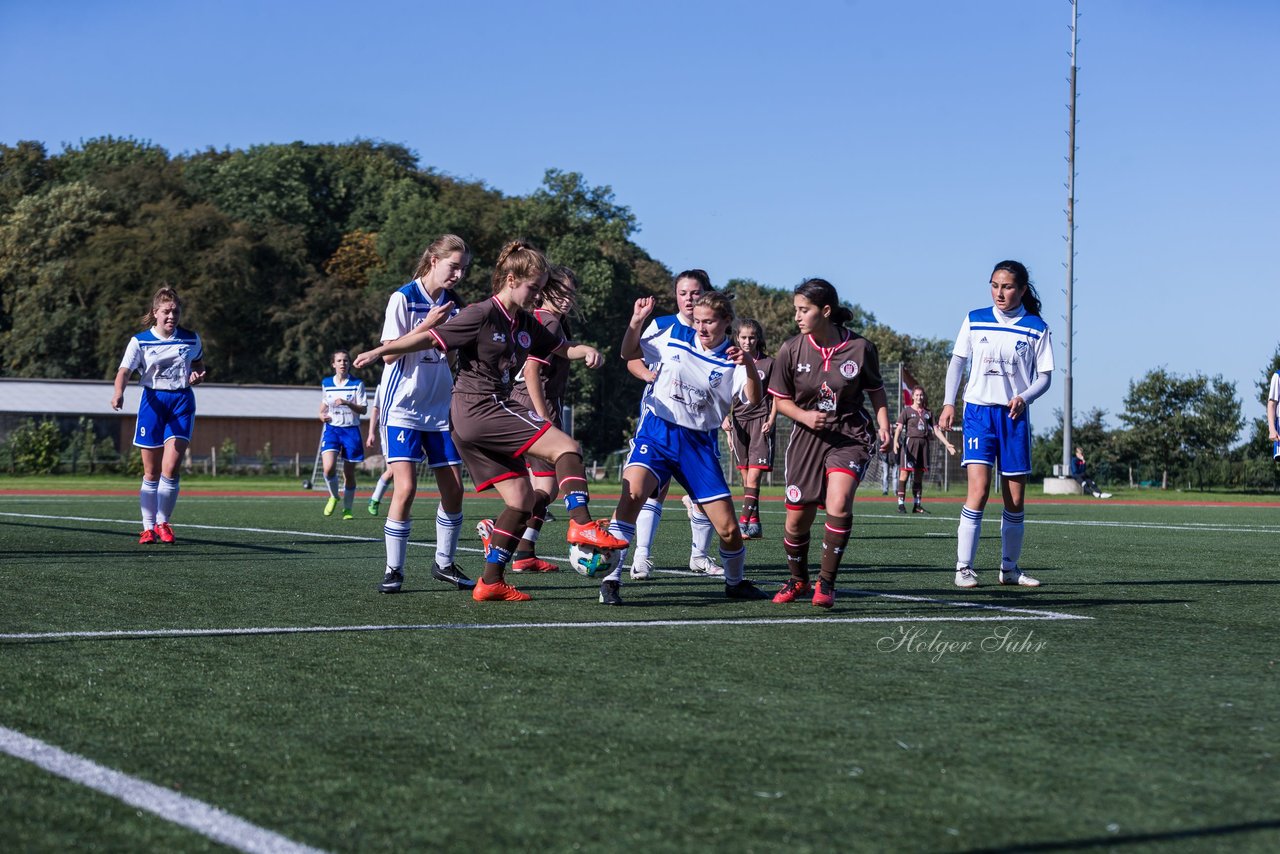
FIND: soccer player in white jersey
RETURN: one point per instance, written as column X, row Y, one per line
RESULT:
column 1010, row 358
column 342, row 402
column 1273, row 425
column 169, row 360
column 699, row 373
column 689, row 285
column 415, row 413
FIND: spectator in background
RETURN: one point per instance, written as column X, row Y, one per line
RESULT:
column 1081, row 475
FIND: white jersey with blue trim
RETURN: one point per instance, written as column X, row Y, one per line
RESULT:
column 351, row 390
column 163, row 363
column 1273, row 392
column 419, row 385
column 1006, row 352
column 695, row 386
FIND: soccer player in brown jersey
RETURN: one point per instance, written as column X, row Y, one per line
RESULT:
column 493, row 339
column 820, row 378
column 750, row 429
column 540, row 387
column 911, row 437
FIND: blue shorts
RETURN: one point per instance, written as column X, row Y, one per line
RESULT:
column 990, row 434
column 404, row 444
column 345, row 440
column 164, row 415
column 692, row 457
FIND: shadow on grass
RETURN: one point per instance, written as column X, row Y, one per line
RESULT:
column 1216, row 832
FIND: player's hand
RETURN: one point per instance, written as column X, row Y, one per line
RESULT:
column 766, row 428
column 117, row 401
column 951, row 449
column 884, row 439
column 366, row 357
column 1017, row 407
column 946, row 417
column 592, row 357
column 196, row 378
column 725, row 425
column 641, row 311
column 816, row 420
column 734, row 354
column 437, row 315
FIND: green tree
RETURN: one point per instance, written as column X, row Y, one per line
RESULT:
column 25, row 169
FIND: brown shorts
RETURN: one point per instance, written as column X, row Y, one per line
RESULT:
column 812, row 456
column 914, row 455
column 492, row 436
column 752, row 449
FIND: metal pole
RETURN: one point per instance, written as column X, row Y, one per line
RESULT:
column 1071, row 253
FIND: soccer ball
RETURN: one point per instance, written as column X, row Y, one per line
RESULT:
column 589, row 561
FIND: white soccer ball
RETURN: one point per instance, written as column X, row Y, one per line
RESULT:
column 589, row 561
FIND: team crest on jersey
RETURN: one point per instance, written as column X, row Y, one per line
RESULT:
column 1021, row 349
column 183, row 350
column 849, row 369
column 500, row 337
column 524, row 339
column 826, row 399
column 713, row 378
column 793, row 494
column 760, row 374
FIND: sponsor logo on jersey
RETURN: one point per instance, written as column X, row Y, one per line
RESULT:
column 826, row 399
column 849, row 369
column 803, row 368
column 524, row 339
column 500, row 337
column 982, row 340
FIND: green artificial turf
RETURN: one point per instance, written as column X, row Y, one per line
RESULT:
column 903, row 719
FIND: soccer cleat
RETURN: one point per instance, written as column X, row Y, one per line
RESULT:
column 918, row 509
column 484, row 529
column 330, row 506
column 500, row 591
column 966, row 577
column 752, row 531
column 391, row 581
column 346, row 516
column 548, row 516
column 744, row 590
column 706, row 566
column 452, row 575
column 373, row 507
column 824, row 595
column 594, row 533
column 147, row 538
column 163, row 532
column 1017, row 577
column 641, row 568
column 794, row 588
column 1104, row 494
column 902, row 508
column 610, row 593
column 533, row 564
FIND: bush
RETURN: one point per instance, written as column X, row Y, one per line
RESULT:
column 35, row 447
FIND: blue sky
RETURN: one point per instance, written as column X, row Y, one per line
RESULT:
column 898, row 149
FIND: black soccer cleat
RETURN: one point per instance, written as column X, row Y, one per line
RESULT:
column 391, row 581
column 610, row 593
column 744, row 590
column 452, row 575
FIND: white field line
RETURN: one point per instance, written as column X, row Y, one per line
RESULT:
column 187, row 812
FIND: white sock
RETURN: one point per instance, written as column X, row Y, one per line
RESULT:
column 166, row 498
column 380, row 489
column 622, row 531
column 397, row 538
column 1011, row 528
column 702, row 531
column 530, row 534
column 967, row 537
column 147, row 501
column 332, row 483
column 348, row 497
column 647, row 525
column 734, row 564
column 448, row 529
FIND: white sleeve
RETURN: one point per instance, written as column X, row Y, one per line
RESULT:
column 132, row 355
column 362, row 397
column 1274, row 392
column 740, row 383
column 396, row 321
column 1044, row 353
column 651, row 341
column 964, row 344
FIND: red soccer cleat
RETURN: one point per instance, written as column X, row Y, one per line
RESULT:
column 824, row 595
column 147, row 537
column 500, row 592
column 164, row 532
column 594, row 534
column 533, row 564
column 792, row 590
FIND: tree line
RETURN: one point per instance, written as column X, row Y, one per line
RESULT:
column 283, row 252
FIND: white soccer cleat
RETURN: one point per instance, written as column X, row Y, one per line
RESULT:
column 1017, row 577
column 641, row 568
column 966, row 577
column 705, row 566
column 1105, row 495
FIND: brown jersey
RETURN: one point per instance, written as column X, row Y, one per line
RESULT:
column 744, row 411
column 555, row 371
column 491, row 345
column 830, row 379
column 916, row 423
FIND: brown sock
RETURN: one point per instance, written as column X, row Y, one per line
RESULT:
column 834, row 539
column 506, row 533
column 571, row 474
column 536, row 520
column 797, row 556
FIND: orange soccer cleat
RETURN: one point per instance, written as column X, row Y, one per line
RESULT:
column 533, row 564
column 594, row 534
column 164, row 532
column 792, row 590
column 147, row 537
column 499, row 592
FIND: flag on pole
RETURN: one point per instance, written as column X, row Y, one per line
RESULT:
column 908, row 382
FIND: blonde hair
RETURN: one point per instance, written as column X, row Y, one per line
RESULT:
column 519, row 260
column 440, row 247
column 162, row 295
column 562, row 285
column 718, row 302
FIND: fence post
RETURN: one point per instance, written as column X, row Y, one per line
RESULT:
column 213, row 459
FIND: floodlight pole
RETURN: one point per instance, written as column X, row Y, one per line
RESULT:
column 1071, row 251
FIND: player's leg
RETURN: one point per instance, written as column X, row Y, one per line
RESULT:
column 542, row 480
column 795, row 544
column 404, row 451
column 167, row 489
column 566, row 455
column 380, row 490
column 751, row 478
column 329, row 461
column 1015, row 463
column 152, row 461
column 981, row 447
column 838, row 525
column 517, row 496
